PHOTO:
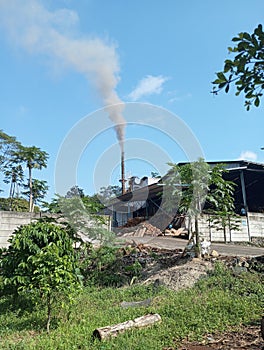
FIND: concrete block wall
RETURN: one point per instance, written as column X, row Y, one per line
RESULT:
column 249, row 230
column 256, row 224
column 10, row 220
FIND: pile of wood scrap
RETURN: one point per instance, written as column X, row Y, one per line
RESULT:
column 175, row 233
column 143, row 229
column 132, row 222
column 145, row 254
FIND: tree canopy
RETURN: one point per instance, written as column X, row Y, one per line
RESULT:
column 191, row 185
column 41, row 261
column 246, row 69
column 14, row 157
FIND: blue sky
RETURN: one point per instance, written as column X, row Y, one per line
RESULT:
column 64, row 60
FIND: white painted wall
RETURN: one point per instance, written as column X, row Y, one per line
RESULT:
column 256, row 229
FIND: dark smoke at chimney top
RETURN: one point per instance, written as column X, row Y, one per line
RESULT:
column 120, row 136
column 116, row 115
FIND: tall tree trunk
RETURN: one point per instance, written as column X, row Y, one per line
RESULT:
column 230, row 229
column 197, row 238
column 48, row 312
column 11, row 195
column 30, row 189
column 224, row 229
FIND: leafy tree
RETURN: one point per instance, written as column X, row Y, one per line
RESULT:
column 191, row 195
column 246, row 69
column 34, row 158
column 18, row 204
column 91, row 203
column 14, row 176
column 81, row 213
column 190, row 185
column 39, row 190
column 75, row 191
column 222, row 191
column 12, row 157
column 221, row 198
column 5, row 204
column 224, row 221
column 41, row 260
column 83, row 220
column 8, row 146
column 195, row 194
column 108, row 193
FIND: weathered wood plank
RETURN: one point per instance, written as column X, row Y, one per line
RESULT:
column 145, row 302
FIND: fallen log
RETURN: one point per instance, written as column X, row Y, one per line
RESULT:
column 112, row 331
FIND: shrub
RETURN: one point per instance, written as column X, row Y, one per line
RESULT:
column 41, row 261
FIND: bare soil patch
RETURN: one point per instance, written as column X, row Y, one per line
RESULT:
column 245, row 338
column 169, row 268
column 184, row 274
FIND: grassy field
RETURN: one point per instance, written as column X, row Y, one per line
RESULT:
column 214, row 304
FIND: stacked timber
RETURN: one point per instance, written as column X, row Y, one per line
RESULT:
column 143, row 229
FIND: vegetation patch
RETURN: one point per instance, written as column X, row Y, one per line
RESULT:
column 216, row 302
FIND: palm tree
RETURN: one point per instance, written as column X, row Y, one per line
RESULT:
column 34, row 158
column 14, row 176
column 8, row 146
column 39, row 189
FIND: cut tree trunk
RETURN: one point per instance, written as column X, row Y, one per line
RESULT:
column 113, row 331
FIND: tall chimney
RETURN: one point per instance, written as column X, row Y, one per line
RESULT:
column 123, row 180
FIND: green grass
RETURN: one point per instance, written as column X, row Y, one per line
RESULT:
column 214, row 304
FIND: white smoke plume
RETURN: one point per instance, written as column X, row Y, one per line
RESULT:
column 54, row 33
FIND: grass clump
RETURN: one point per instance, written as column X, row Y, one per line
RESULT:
column 107, row 266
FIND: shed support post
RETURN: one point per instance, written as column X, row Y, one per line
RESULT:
column 244, row 194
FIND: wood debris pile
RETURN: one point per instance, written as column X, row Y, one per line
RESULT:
column 145, row 255
column 132, row 222
column 142, row 229
column 242, row 264
column 176, row 233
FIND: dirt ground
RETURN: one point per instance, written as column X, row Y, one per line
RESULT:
column 245, row 338
column 175, row 272
column 183, row 275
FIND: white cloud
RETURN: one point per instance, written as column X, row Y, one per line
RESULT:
column 147, row 86
column 248, row 155
column 176, row 98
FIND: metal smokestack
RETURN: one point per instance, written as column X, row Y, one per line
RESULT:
column 123, row 180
